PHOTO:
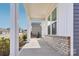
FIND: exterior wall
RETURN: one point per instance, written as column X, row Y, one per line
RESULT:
column 76, row 29
column 65, row 21
column 36, row 28
column 44, row 26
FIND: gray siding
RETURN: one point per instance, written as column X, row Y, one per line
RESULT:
column 76, row 28
column 36, row 28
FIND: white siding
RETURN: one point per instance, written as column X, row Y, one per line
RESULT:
column 65, row 21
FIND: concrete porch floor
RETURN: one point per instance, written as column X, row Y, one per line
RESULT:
column 38, row 47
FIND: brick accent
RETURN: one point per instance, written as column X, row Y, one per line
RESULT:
column 60, row 43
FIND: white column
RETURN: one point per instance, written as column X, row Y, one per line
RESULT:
column 14, row 41
column 44, row 26
column 29, row 30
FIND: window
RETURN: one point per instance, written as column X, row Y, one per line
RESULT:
column 49, row 18
column 54, row 28
column 52, row 19
column 54, row 15
column 49, row 29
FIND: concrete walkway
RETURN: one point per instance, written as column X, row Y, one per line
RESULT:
column 38, row 47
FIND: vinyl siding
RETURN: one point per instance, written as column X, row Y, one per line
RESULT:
column 76, row 28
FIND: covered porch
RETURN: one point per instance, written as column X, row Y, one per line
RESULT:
column 58, row 44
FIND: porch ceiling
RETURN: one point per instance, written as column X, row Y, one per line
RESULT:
column 39, row 10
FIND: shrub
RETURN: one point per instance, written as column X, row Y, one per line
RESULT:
column 24, row 37
column 5, row 46
column 7, row 42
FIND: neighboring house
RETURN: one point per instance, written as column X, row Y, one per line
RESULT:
column 25, row 31
column 22, row 30
column 4, row 31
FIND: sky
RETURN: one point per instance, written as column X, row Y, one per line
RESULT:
column 5, row 16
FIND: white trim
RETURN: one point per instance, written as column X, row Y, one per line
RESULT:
column 72, row 39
